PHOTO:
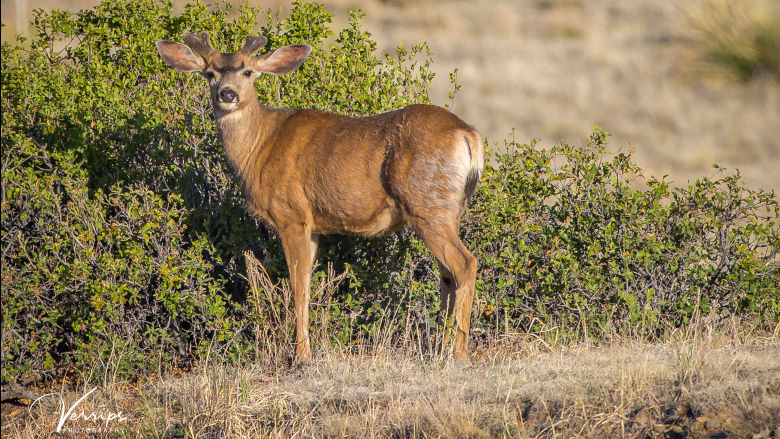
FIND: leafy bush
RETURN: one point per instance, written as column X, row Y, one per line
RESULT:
column 108, row 276
column 124, row 231
column 123, row 228
column 576, row 237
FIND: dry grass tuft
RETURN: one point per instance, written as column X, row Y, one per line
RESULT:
column 738, row 37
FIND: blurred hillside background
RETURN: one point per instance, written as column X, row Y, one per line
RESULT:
column 684, row 84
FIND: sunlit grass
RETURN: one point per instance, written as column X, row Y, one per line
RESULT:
column 710, row 379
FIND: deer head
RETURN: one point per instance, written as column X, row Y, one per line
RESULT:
column 231, row 76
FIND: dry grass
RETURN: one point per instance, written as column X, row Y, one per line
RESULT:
column 717, row 380
column 710, row 379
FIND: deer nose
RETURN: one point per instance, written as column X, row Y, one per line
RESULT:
column 228, row 95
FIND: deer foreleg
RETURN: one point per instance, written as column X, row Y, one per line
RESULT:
column 299, row 249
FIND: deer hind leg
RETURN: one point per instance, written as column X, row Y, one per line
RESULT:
column 447, row 288
column 300, row 247
column 460, row 266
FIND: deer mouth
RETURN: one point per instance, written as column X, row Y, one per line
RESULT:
column 227, row 106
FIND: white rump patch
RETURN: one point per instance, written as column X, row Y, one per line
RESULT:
column 461, row 159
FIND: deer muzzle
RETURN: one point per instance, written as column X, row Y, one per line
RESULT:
column 228, row 96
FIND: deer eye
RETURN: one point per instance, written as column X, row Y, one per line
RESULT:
column 210, row 75
column 247, row 73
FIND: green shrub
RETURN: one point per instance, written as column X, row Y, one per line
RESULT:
column 105, row 147
column 124, row 231
column 99, row 277
column 576, row 237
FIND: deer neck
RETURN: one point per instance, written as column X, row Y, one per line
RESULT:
column 243, row 133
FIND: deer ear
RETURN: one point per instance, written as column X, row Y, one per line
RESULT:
column 180, row 56
column 283, row 60
column 252, row 43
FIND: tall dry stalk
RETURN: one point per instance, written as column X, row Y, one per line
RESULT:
column 274, row 322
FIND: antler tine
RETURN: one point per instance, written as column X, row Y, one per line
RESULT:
column 252, row 43
column 200, row 43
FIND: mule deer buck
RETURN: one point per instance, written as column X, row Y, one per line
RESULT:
column 309, row 172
